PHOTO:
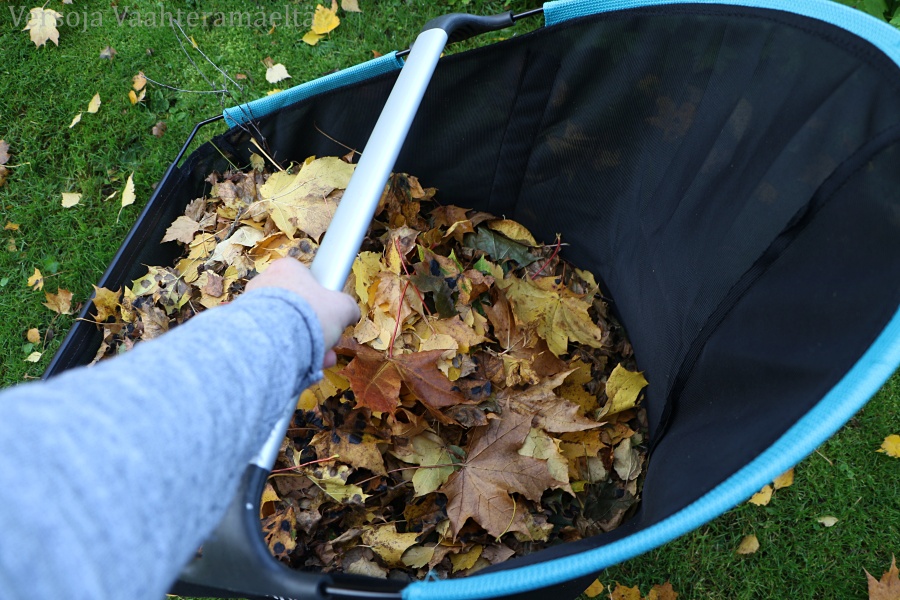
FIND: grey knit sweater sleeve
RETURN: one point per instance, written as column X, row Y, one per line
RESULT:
column 112, row 475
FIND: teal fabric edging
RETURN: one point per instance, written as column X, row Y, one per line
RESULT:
column 836, row 408
column 885, row 37
column 263, row 106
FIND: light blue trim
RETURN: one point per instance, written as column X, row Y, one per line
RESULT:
column 264, row 106
column 885, row 37
column 820, row 423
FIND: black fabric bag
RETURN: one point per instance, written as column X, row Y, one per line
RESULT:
column 728, row 170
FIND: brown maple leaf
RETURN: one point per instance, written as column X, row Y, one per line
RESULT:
column 375, row 382
column 889, row 586
column 375, row 379
column 493, row 470
column 552, row 412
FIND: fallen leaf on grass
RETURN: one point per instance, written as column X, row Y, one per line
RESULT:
column 75, row 121
column 42, row 25
column 10, row 226
column 784, row 480
column 889, row 586
column 891, row 446
column 94, row 104
column 159, row 129
column 60, row 303
column 350, row 5
column 324, row 20
column 625, row 593
column 762, row 497
column 128, row 196
column 594, row 590
column 108, row 53
column 662, row 592
column 748, row 545
column 33, row 336
column 34, row 357
column 277, row 72
column 36, row 281
column 70, row 199
column 827, row 520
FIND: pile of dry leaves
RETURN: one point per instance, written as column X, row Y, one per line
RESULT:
column 483, row 407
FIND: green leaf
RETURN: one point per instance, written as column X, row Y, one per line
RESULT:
column 499, row 247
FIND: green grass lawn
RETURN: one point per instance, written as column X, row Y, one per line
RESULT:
column 42, row 89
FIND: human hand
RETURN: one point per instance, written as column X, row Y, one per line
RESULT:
column 335, row 310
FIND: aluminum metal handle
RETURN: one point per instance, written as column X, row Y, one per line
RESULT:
column 345, row 234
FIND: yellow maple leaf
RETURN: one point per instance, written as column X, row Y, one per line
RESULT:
column 36, row 281
column 466, row 560
column 42, row 25
column 784, row 480
column 762, row 497
column 301, row 201
column 60, row 303
column 106, row 302
column 891, row 446
column 333, row 481
column 625, row 593
column 388, row 544
column 324, row 20
column 622, row 389
column 557, row 314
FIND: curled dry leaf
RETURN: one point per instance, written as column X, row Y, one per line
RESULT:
column 827, row 520
column 159, row 129
column 108, row 53
column 33, row 336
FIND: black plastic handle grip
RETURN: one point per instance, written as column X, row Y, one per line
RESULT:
column 460, row 26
